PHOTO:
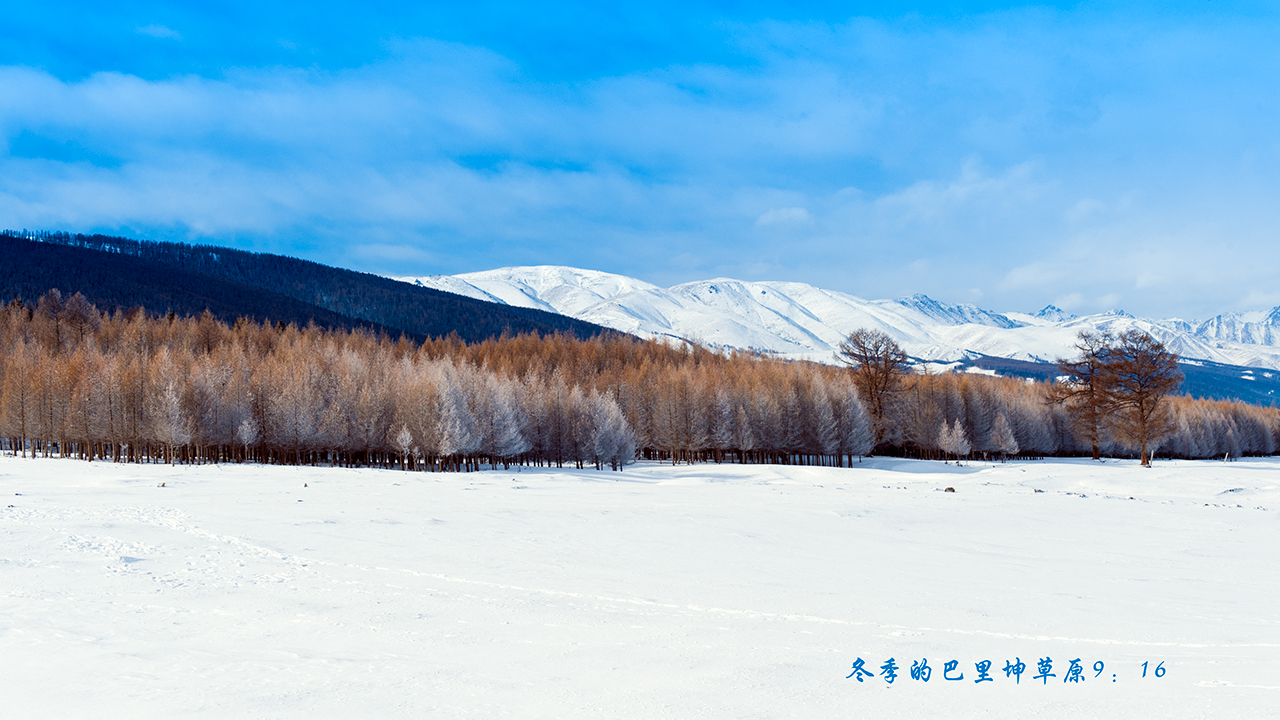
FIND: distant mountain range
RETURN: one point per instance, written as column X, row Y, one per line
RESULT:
column 801, row 321
column 1228, row 356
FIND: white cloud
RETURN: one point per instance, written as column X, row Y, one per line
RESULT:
column 960, row 164
column 159, row 31
column 1070, row 301
column 784, row 216
column 1085, row 209
column 1032, row 275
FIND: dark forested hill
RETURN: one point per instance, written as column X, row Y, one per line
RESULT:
column 29, row 269
column 120, row 272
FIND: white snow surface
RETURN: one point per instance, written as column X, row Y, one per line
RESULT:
column 802, row 321
column 689, row 591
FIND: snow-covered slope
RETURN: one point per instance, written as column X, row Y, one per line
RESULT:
column 799, row 320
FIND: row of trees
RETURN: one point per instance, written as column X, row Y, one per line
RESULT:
column 199, row 391
column 1114, row 398
column 139, row 388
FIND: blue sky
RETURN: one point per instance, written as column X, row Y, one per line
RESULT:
column 1087, row 155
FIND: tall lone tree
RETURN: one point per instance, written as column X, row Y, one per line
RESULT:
column 878, row 366
column 1086, row 392
column 1140, row 373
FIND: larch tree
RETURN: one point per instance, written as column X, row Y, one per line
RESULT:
column 744, row 436
column 247, row 434
column 507, row 439
column 80, row 317
column 857, row 431
column 723, row 430
column 1002, row 439
column 878, row 365
column 792, row 423
column 960, row 440
column 822, row 430
column 403, row 442
column 48, row 316
column 1139, row 373
column 168, row 421
column 16, row 403
column 1085, row 389
column 953, row 439
column 946, row 439
column 459, row 433
column 921, row 416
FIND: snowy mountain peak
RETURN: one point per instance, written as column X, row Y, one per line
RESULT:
column 1053, row 313
column 1249, row 328
column 802, row 321
column 956, row 314
column 555, row 288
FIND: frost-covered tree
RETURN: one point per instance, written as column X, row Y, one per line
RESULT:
column 505, row 437
column 213, row 422
column 953, row 439
column 247, row 434
column 723, row 431
column 404, row 445
column 744, row 437
column 558, row 419
column 169, row 424
column 612, row 440
column 855, row 429
column 457, row 426
column 822, row 431
column 1002, row 440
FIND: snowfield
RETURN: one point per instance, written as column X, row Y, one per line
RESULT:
column 690, row 591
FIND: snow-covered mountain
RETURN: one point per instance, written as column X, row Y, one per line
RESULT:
column 803, row 321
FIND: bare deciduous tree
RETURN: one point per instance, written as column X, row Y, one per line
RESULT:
column 878, row 366
column 1139, row 374
column 1084, row 392
column 80, row 316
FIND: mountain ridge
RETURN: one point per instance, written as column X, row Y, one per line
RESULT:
column 803, row 321
column 299, row 290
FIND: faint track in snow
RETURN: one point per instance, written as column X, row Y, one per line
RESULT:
column 790, row 617
column 178, row 520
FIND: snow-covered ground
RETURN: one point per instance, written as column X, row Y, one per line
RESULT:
column 703, row 591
